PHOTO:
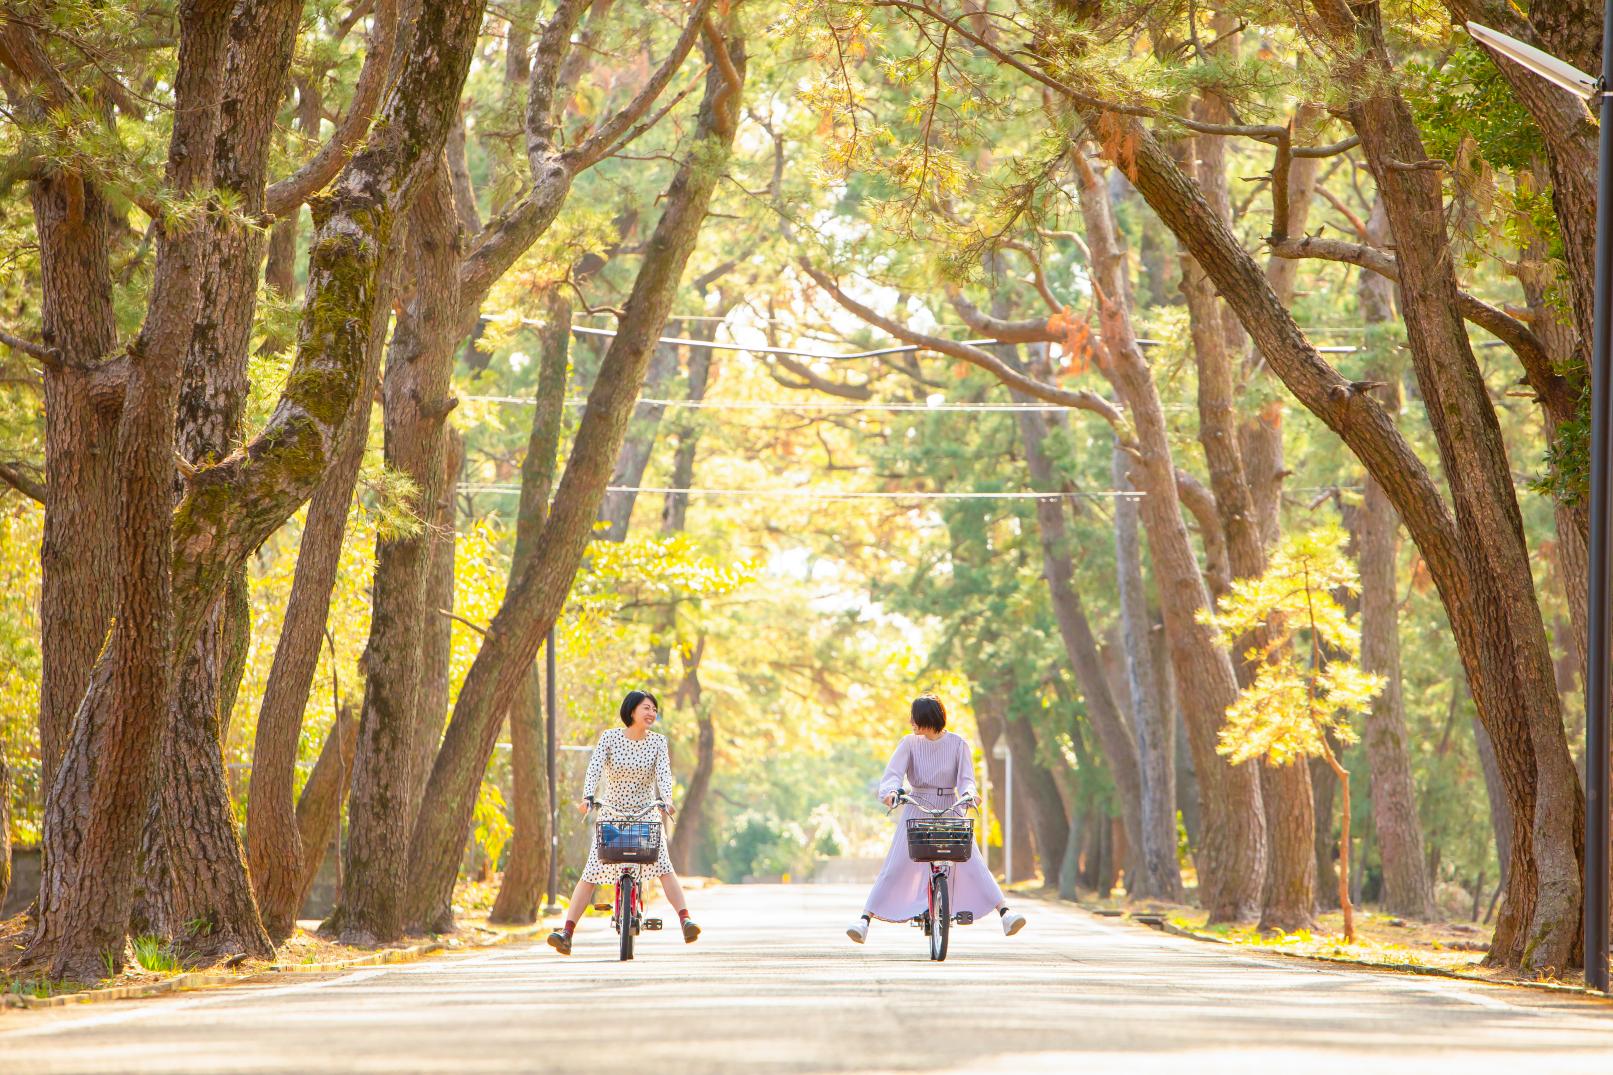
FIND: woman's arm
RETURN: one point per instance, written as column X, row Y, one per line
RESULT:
column 966, row 768
column 895, row 772
column 596, row 767
column 663, row 772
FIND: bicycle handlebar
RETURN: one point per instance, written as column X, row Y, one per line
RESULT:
column 633, row 813
column 968, row 801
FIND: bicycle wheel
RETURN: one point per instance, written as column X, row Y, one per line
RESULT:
column 626, row 901
column 940, row 916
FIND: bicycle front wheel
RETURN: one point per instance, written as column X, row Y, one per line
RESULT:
column 940, row 916
column 627, row 904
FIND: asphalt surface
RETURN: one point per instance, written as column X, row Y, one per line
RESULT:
column 775, row 985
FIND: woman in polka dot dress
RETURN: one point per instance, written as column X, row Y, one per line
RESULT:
column 636, row 769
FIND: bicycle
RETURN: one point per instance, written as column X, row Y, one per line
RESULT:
column 629, row 842
column 939, row 839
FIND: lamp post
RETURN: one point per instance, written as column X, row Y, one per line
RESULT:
column 1599, row 622
column 549, row 695
column 1006, row 756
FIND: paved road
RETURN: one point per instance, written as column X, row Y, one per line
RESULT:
column 774, row 984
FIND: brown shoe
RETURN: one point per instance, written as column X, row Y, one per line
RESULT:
column 560, row 941
column 690, row 931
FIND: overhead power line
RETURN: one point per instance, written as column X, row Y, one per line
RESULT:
column 834, row 494
column 762, row 349
column 815, row 405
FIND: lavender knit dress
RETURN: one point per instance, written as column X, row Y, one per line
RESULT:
column 937, row 772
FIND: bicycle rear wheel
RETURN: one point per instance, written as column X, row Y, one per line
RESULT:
column 626, row 914
column 940, row 916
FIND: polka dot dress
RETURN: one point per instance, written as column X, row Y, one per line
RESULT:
column 630, row 774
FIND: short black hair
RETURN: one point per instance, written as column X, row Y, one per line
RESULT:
column 929, row 713
column 631, row 702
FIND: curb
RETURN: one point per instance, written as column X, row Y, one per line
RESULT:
column 195, row 980
column 1418, row 970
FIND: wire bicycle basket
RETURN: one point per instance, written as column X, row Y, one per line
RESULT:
column 940, row 839
column 623, row 842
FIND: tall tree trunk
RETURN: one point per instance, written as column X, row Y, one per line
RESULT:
column 1494, row 633
column 5, row 829
column 414, row 403
column 1324, row 789
column 83, row 394
column 521, row 888
column 1474, row 458
column 533, row 604
column 675, row 512
column 1047, row 817
column 212, row 901
column 692, row 815
column 437, row 633
column 84, row 904
column 1375, row 533
column 1288, row 889
column 1153, row 720
column 634, row 458
column 1116, row 741
column 277, row 857
column 319, row 807
column 1231, row 857
column 1502, row 823
column 531, row 844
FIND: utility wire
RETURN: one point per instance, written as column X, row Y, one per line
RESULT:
column 761, row 349
column 815, row 405
column 834, row 494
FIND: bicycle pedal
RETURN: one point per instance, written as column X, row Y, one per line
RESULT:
column 964, row 918
column 604, row 907
column 652, row 923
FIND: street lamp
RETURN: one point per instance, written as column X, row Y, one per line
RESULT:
column 1006, row 756
column 549, row 695
column 1599, row 623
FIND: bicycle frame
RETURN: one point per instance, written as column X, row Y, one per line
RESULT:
column 627, row 914
column 936, row 922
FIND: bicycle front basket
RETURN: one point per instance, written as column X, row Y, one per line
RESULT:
column 940, row 839
column 629, row 841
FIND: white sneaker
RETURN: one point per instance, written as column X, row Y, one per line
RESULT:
column 1013, row 922
column 858, row 930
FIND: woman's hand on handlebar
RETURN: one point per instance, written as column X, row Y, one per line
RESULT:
column 584, row 805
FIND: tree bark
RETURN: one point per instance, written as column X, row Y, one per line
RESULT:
column 1048, row 819
column 1375, row 534
column 5, row 829
column 214, row 912
column 415, row 401
column 532, row 605
column 1473, row 456
column 639, row 444
column 1231, row 858
column 1504, row 676
column 92, row 824
column 437, row 630
column 1153, row 721
column 319, row 807
column 278, row 858
column 1116, row 741
column 531, row 844
column 521, row 888
column 86, row 892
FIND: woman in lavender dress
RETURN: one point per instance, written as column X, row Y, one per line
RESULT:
column 938, row 768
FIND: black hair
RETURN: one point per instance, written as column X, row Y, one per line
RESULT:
column 631, row 703
column 929, row 713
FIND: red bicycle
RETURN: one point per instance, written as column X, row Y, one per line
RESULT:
column 940, row 839
column 629, row 841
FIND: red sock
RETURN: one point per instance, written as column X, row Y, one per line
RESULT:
column 683, row 915
column 571, row 924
